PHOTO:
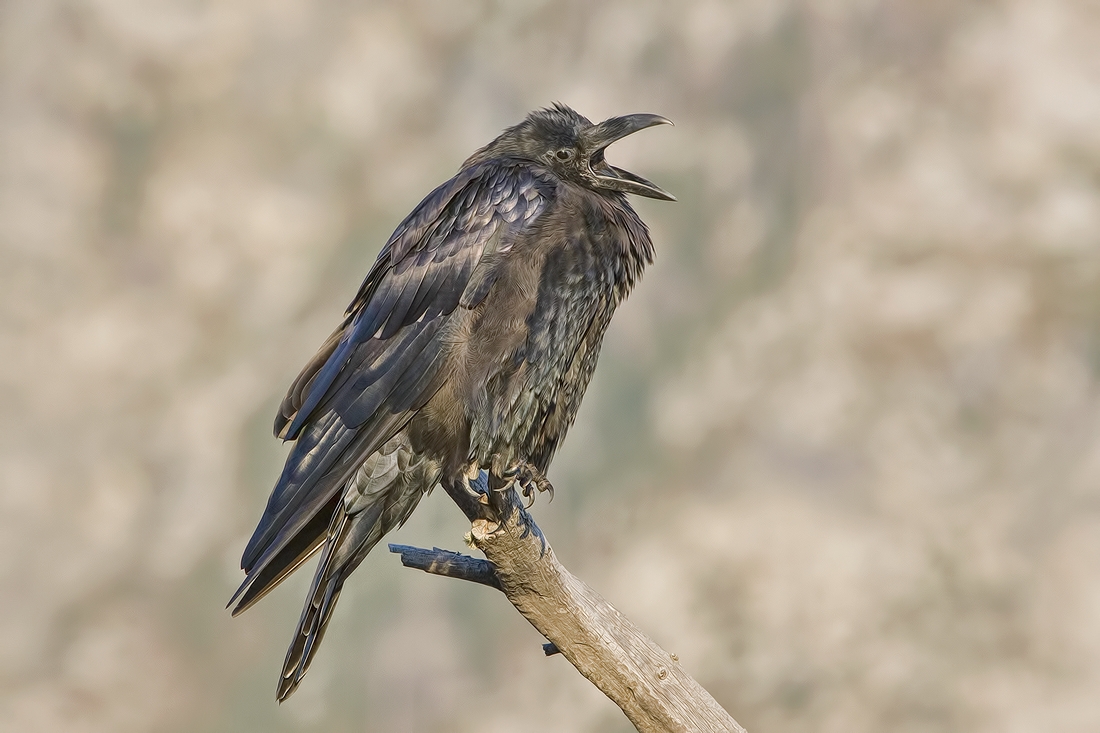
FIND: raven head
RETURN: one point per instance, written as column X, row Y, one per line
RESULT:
column 569, row 144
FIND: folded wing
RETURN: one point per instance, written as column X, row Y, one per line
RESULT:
column 385, row 361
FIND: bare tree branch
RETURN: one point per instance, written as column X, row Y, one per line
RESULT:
column 450, row 564
column 647, row 682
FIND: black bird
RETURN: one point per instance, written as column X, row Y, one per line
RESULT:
column 467, row 348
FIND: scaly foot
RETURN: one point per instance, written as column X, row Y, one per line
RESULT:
column 530, row 479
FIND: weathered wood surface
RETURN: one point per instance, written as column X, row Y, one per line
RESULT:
column 647, row 682
column 451, row 564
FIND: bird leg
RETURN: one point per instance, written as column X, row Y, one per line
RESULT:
column 529, row 479
column 502, row 502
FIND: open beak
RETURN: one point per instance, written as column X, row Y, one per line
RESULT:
column 616, row 179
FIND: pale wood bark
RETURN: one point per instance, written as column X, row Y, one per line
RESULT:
column 647, row 682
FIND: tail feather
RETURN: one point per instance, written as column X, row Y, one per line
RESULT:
column 378, row 498
column 320, row 601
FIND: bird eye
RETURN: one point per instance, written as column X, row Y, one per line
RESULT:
column 564, row 154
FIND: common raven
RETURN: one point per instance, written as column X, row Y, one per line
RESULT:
column 467, row 348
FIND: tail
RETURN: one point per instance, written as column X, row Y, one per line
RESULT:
column 378, row 498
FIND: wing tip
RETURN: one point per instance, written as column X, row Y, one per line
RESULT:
column 241, row 597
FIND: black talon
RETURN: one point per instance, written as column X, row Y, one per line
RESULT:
column 529, row 479
column 473, row 490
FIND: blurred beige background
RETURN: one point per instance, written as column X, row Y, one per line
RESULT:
column 841, row 455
